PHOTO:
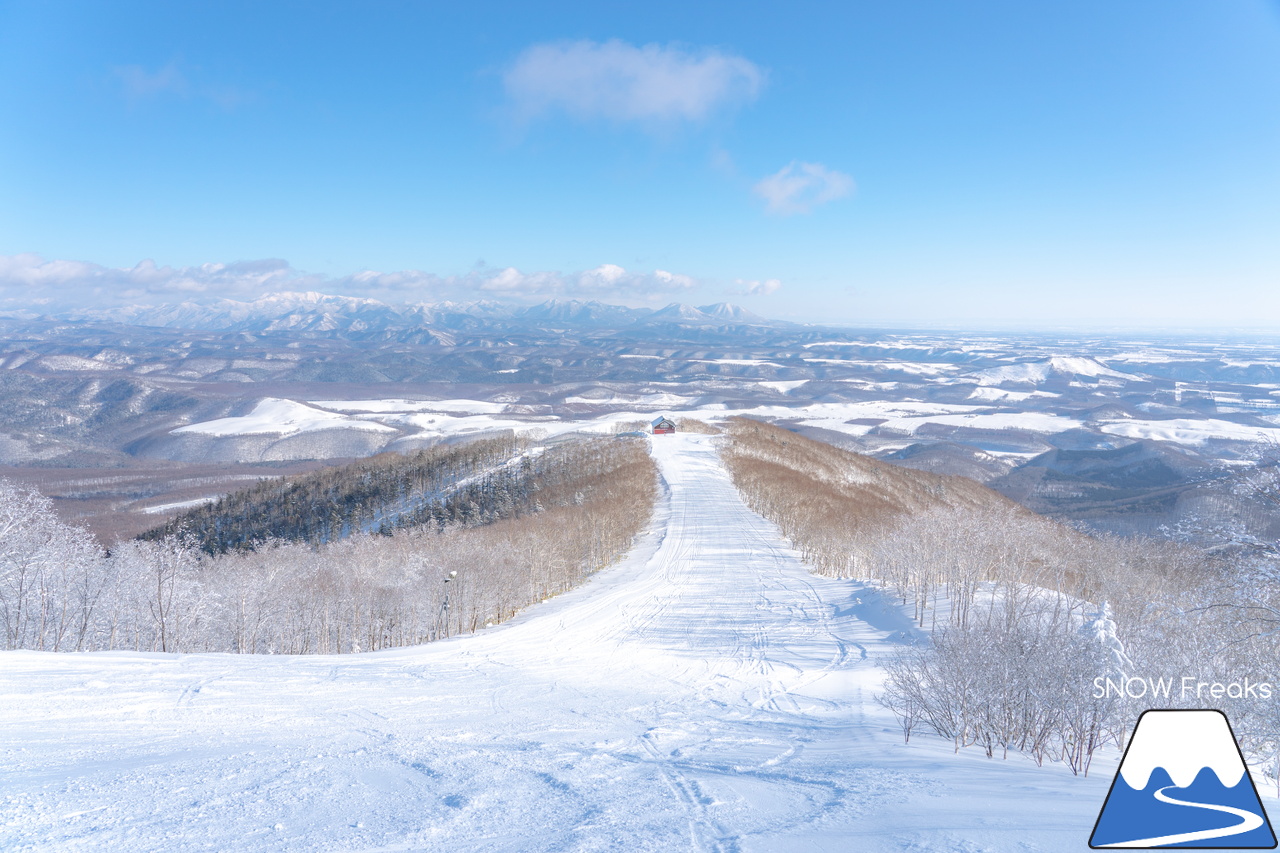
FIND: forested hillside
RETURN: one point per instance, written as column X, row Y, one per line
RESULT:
column 469, row 535
column 452, row 485
column 1018, row 614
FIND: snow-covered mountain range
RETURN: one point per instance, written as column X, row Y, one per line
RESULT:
column 347, row 316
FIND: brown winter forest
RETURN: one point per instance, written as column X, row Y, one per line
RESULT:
column 1018, row 614
column 387, row 552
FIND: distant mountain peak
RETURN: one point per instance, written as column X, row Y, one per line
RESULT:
column 729, row 311
column 678, row 309
column 588, row 312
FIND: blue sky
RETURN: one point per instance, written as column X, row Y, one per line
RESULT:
column 1099, row 163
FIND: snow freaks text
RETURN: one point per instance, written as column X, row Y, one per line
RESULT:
column 1186, row 687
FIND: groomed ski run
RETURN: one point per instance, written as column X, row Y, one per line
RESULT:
column 706, row 694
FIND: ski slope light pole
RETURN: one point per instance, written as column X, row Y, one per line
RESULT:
column 443, row 616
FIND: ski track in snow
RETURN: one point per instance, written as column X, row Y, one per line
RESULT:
column 706, row 694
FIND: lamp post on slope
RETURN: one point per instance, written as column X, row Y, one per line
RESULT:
column 442, row 618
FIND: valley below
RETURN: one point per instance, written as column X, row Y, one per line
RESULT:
column 126, row 418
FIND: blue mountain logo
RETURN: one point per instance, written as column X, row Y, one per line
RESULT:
column 1183, row 783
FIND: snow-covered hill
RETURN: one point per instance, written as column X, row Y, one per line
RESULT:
column 706, row 694
column 1039, row 372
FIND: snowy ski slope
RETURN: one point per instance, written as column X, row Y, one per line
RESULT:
column 708, row 694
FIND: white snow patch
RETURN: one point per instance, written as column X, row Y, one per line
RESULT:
column 663, row 400
column 179, row 505
column 73, row 362
column 1190, row 431
column 909, row 416
column 992, row 394
column 1259, row 362
column 876, row 344
column 785, row 386
column 273, row 416
column 917, row 367
column 1147, row 356
column 464, row 406
column 1030, row 421
column 441, row 424
column 1036, row 372
column 749, row 362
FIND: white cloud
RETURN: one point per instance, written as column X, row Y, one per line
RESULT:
column 604, row 280
column 510, row 281
column 28, row 280
column 374, row 281
column 759, row 288
column 605, row 274
column 622, row 82
column 139, row 84
column 28, row 276
column 800, row 187
column 674, row 281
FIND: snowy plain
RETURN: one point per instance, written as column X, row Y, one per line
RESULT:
column 451, row 418
column 705, row 694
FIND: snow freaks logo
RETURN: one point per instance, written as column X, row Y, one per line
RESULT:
column 1183, row 783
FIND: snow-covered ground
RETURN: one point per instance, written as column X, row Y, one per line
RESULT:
column 1192, row 432
column 992, row 408
column 272, row 416
column 706, row 694
column 451, row 418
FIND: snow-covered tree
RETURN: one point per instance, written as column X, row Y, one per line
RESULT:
column 51, row 575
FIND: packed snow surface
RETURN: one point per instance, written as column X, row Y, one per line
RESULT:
column 706, row 694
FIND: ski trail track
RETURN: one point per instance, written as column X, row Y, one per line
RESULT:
column 706, row 694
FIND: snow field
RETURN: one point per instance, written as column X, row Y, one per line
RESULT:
column 440, row 419
column 707, row 694
column 446, row 418
column 1191, row 432
column 273, row 416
